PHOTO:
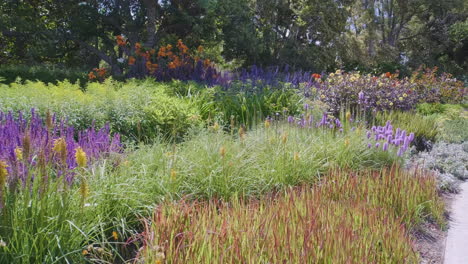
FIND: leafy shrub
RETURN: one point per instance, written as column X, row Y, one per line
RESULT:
column 387, row 92
column 133, row 109
column 429, row 109
column 46, row 74
column 444, row 88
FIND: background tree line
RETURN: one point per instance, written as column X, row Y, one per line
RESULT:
column 317, row 35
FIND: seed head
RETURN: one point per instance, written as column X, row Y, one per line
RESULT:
column 173, row 174
column 296, row 156
column 242, row 133
column 222, row 151
column 348, row 115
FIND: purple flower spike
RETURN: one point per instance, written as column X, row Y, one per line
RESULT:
column 354, row 128
column 377, row 145
column 400, row 152
column 368, row 134
column 361, row 96
column 411, row 136
column 369, row 145
column 290, row 119
column 385, row 146
column 306, row 106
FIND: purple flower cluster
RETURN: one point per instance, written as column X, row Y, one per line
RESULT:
column 327, row 121
column 24, row 142
column 367, row 92
column 385, row 136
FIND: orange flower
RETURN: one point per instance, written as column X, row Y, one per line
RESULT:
column 206, row 63
column 148, row 65
column 388, row 74
column 182, row 47
column 120, row 40
column 172, row 65
column 316, row 76
column 131, row 60
column 91, row 75
column 152, row 51
column 137, row 46
column 169, row 47
column 151, row 67
column 162, row 52
column 101, row 72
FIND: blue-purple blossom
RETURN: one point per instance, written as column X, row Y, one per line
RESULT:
column 36, row 138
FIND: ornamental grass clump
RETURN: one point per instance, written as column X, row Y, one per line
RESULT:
column 350, row 217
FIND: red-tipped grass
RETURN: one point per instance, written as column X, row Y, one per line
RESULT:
column 349, row 217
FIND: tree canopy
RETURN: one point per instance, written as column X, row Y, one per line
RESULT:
column 305, row 34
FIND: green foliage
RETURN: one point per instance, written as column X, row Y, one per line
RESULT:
column 429, row 109
column 57, row 222
column 453, row 123
column 145, row 110
column 451, row 120
column 261, row 160
column 423, row 127
column 11, row 73
column 137, row 110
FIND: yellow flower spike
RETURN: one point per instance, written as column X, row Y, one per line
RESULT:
column 267, row 123
column 173, row 174
column 400, row 98
column 346, row 142
column 115, row 235
column 60, row 148
column 80, row 157
column 348, row 115
column 3, row 174
column 19, row 153
column 284, row 138
column 84, row 252
column 222, row 151
column 296, row 156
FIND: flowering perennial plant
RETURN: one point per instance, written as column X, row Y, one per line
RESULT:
column 167, row 62
column 387, row 92
column 385, row 137
column 35, row 143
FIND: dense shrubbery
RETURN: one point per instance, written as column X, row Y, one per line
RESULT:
column 387, row 92
column 53, row 74
column 145, row 109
